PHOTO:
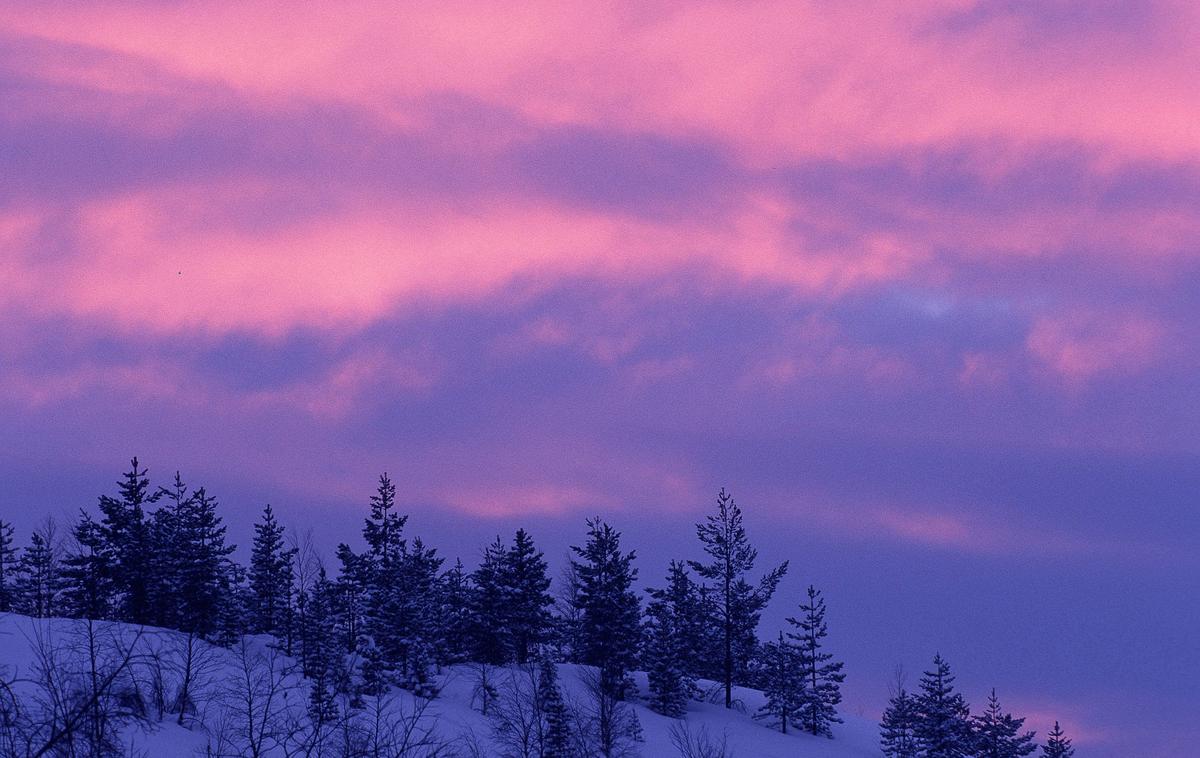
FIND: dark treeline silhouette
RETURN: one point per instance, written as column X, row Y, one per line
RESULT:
column 391, row 614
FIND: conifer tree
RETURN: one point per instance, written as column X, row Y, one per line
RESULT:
column 272, row 574
column 321, row 655
column 490, row 635
column 88, row 573
column 998, row 734
column 403, row 595
column 782, row 683
column 373, row 671
column 689, row 612
column 674, row 628
column 609, row 609
column 817, row 707
column 203, row 572
column 525, row 587
column 943, row 717
column 1057, row 745
column 418, row 605
column 233, row 610
column 39, row 583
column 352, row 587
column 555, row 739
column 8, row 568
column 666, row 661
column 738, row 603
column 164, row 561
column 125, row 528
column 898, row 736
column 384, row 528
column 456, row 618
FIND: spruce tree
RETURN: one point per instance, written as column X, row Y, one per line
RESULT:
column 39, row 583
column 738, row 603
column 782, row 683
column 609, row 609
column 555, row 739
column 321, row 654
column 1057, row 745
column 823, row 676
column 525, row 587
column 373, row 671
column 165, row 560
column 690, row 615
column 203, row 570
column 233, row 611
column 272, row 573
column 418, row 604
column 456, row 616
column 943, row 717
column 88, row 573
column 126, row 529
column 674, row 628
column 998, row 734
column 491, row 642
column 404, row 592
column 8, row 568
column 666, row 661
column 352, row 587
column 384, row 528
column 898, row 729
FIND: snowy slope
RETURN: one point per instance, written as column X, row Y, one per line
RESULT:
column 25, row 646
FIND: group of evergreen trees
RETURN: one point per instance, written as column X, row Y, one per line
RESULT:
column 936, row 722
column 799, row 679
column 392, row 616
column 169, row 567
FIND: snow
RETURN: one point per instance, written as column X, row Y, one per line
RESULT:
column 451, row 713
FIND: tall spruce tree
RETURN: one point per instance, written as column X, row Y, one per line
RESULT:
column 320, row 651
column 817, row 708
column 943, row 717
column 898, row 729
column 352, row 590
column 782, row 683
column 666, row 660
column 609, row 609
column 674, row 630
column 689, row 614
column 998, row 734
column 418, row 603
column 384, row 528
column 525, row 587
column 39, row 583
column 202, row 572
column 1057, row 745
column 403, row 596
column 491, row 642
column 456, row 619
column 8, row 568
column 88, row 573
column 164, row 561
column 738, row 603
column 126, row 529
column 272, row 574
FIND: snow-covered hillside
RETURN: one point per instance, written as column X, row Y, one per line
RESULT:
column 247, row 698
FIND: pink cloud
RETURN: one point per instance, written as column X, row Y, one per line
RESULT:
column 1081, row 346
column 772, row 78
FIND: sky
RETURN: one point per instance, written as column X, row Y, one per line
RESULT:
column 917, row 282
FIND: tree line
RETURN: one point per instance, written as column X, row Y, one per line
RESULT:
column 391, row 613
